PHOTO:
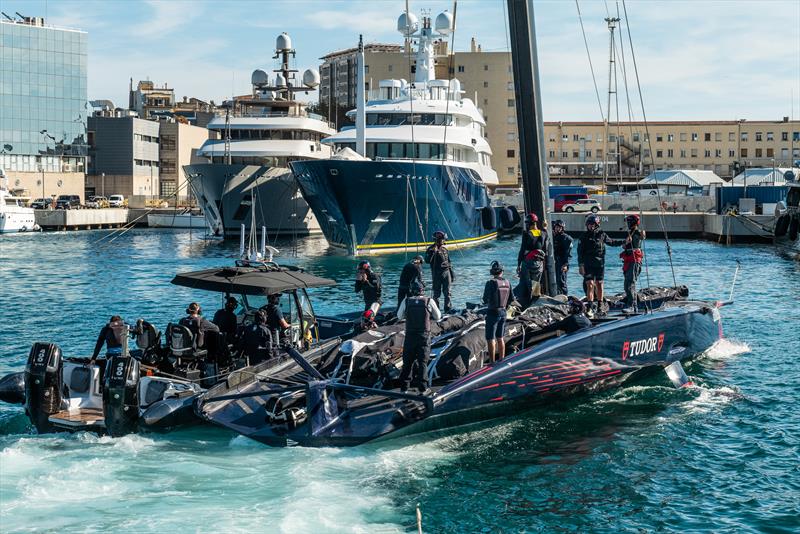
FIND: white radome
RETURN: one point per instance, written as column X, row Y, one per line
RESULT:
column 444, row 23
column 407, row 24
column 259, row 77
column 280, row 81
column 283, row 42
column 311, row 78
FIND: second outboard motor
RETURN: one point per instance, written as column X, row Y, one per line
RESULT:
column 12, row 388
column 43, row 382
column 120, row 396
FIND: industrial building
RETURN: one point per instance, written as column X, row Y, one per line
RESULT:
column 42, row 107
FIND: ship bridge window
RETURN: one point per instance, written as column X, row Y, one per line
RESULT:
column 397, row 119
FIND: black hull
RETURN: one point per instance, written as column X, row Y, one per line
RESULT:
column 587, row 361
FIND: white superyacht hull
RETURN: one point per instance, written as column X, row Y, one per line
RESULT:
column 15, row 219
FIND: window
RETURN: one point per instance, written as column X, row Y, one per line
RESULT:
column 485, row 101
column 588, row 138
column 486, row 67
column 744, row 136
column 564, row 138
column 784, row 153
column 718, row 153
column 390, row 68
column 718, row 136
column 795, row 136
column 744, row 152
column 759, row 153
column 510, row 86
column 509, row 153
column 564, row 154
column 695, row 137
column 770, row 152
column 511, row 102
column 509, row 170
column 551, row 154
column 707, row 154
column 485, row 85
column 659, row 138
column 670, row 153
column 511, row 119
column 758, row 136
column 636, row 137
column 731, row 136
column 670, row 137
column 683, row 152
column 575, row 137
column 731, row 153
column 575, row 154
column 784, row 136
column 694, row 152
column 683, row 136
column 598, row 153
column 461, row 68
column 659, row 153
column 707, row 137
column 552, row 137
column 770, row 136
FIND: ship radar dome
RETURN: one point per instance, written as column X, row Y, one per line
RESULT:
column 311, row 78
column 280, row 81
column 445, row 24
column 259, row 77
column 283, row 42
column 407, row 24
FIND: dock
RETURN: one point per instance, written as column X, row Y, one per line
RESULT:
column 95, row 219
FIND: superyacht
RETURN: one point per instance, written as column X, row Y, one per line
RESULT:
column 247, row 166
column 418, row 152
column 14, row 215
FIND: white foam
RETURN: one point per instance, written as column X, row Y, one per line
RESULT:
column 726, row 348
column 707, row 399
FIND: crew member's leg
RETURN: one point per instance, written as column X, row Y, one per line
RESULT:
column 561, row 277
column 423, row 355
column 408, row 364
column 525, row 285
column 437, row 287
column 402, row 293
column 491, row 321
column 447, row 282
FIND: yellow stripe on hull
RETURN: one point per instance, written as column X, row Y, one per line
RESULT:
column 386, row 248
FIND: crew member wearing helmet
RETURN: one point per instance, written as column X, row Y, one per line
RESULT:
column 496, row 296
column 562, row 251
column 530, row 260
column 418, row 311
column 368, row 282
column 632, row 257
column 576, row 320
column 442, row 273
column 411, row 274
column 592, row 261
column 199, row 326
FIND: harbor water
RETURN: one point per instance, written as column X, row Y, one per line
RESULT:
column 723, row 455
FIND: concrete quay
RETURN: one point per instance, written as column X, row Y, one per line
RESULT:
column 95, row 219
column 691, row 225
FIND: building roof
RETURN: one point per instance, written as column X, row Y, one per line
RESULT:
column 369, row 47
column 687, row 177
column 765, row 176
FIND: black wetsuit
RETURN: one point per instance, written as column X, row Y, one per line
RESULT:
column 227, row 323
column 412, row 273
column 531, row 262
column 199, row 327
column 371, row 289
column 592, row 253
column 562, row 251
column 632, row 257
column 496, row 295
column 416, row 345
column 256, row 342
column 438, row 258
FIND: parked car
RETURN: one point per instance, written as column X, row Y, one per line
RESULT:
column 567, row 198
column 68, row 202
column 584, row 204
column 116, row 201
column 42, row 203
column 97, row 202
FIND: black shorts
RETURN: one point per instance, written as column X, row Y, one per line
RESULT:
column 495, row 324
column 594, row 272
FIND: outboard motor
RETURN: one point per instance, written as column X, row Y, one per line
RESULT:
column 12, row 388
column 43, row 383
column 120, row 395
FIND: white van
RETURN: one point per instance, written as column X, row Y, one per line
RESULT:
column 116, row 201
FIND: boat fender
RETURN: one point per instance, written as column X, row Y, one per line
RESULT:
column 12, row 388
column 488, row 218
column 120, row 395
column 170, row 413
column 794, row 228
column 506, row 218
column 782, row 225
column 43, row 382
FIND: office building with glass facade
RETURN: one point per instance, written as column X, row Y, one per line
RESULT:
column 43, row 107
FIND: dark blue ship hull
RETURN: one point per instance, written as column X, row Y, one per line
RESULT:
column 389, row 206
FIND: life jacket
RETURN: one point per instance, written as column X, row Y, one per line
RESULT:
column 418, row 317
column 498, row 299
column 537, row 245
column 629, row 257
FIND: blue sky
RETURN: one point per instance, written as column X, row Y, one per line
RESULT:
column 698, row 59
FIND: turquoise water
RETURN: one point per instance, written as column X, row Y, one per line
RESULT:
column 722, row 456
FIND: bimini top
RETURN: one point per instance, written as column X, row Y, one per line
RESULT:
column 262, row 280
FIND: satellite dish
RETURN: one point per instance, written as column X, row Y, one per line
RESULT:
column 445, row 24
column 311, row 78
column 259, row 77
column 407, row 24
column 283, row 42
column 280, row 81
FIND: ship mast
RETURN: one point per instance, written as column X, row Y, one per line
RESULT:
column 535, row 179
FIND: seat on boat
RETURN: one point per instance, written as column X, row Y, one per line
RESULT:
column 182, row 343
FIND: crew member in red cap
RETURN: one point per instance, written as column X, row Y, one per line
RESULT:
column 632, row 257
column 530, row 260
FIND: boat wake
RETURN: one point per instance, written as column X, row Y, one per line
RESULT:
column 726, row 348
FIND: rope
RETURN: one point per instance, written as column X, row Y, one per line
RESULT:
column 649, row 142
column 588, row 55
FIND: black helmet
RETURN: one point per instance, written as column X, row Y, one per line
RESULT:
column 576, row 306
column 592, row 219
column 363, row 264
column 419, row 258
column 416, row 288
column 496, row 267
column 632, row 220
column 558, row 223
column 439, row 234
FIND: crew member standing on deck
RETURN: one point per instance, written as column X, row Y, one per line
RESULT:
column 411, row 274
column 441, row 270
column 496, row 296
column 530, row 260
column 418, row 311
column 368, row 282
column 562, row 251
column 632, row 257
column 592, row 262
column 112, row 335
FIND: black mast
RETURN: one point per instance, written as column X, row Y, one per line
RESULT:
column 535, row 180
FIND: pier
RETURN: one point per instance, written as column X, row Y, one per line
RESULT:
column 95, row 219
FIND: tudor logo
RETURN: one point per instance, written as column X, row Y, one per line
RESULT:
column 631, row 349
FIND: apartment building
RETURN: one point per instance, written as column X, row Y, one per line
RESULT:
column 178, row 145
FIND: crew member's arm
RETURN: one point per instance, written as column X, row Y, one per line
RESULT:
column 434, row 310
column 99, row 345
column 429, row 254
column 487, row 289
column 378, row 287
column 401, row 311
column 613, row 242
column 523, row 248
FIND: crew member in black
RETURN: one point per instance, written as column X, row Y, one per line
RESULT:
column 411, row 274
column 277, row 325
column 197, row 324
column 592, row 260
column 442, row 273
column 562, row 250
column 226, row 320
column 530, row 260
column 368, row 282
column 417, row 310
column 112, row 335
column 576, row 320
column 257, row 341
column 496, row 296
column 632, row 257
